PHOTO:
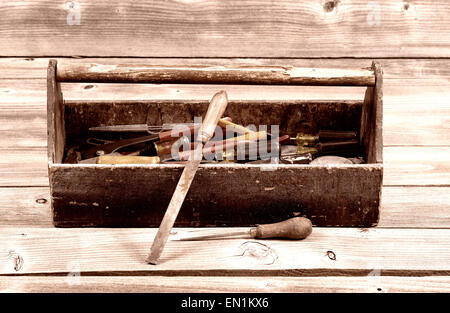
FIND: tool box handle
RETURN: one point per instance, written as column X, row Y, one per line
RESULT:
column 244, row 75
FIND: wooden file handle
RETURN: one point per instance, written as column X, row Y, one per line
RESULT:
column 216, row 109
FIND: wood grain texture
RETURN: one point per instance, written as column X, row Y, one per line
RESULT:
column 211, row 28
column 112, row 196
column 327, row 251
column 413, row 114
column 402, row 166
column 415, row 207
column 396, row 71
column 25, row 207
column 423, row 166
column 182, row 74
column 416, row 166
column 190, row 284
column 408, row 207
column 23, row 167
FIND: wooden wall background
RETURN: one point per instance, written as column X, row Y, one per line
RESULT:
column 226, row 28
column 411, row 39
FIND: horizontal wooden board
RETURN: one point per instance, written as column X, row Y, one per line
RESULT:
column 218, row 74
column 403, row 166
column 408, row 207
column 395, row 71
column 415, row 207
column 190, row 284
column 327, row 251
column 23, row 167
column 23, row 126
column 210, row 28
column 25, row 207
column 416, row 166
column 413, row 114
column 414, row 119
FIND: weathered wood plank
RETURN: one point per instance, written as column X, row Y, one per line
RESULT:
column 422, row 166
column 415, row 207
column 189, row 284
column 23, row 167
column 25, row 207
column 413, row 114
column 23, row 126
column 327, row 251
column 232, row 74
column 396, row 71
column 112, row 196
column 211, row 28
column 409, row 207
column 416, row 166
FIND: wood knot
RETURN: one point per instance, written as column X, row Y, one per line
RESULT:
column 258, row 252
column 17, row 260
column 406, row 6
column 330, row 5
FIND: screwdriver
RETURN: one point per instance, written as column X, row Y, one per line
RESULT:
column 294, row 228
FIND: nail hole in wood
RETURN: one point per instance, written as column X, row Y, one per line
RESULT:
column 331, row 255
column 41, row 201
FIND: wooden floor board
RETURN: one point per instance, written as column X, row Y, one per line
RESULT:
column 190, row 284
column 209, row 28
column 327, row 251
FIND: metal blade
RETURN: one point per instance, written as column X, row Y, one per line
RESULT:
column 174, row 207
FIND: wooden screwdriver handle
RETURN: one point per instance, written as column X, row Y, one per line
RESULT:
column 229, row 125
column 293, row 228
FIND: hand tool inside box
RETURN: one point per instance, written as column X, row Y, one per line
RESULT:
column 327, row 163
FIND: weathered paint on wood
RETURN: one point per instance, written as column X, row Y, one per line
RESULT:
column 55, row 116
column 241, row 75
column 346, row 195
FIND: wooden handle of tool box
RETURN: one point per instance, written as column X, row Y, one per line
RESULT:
column 248, row 75
column 294, row 228
column 216, row 108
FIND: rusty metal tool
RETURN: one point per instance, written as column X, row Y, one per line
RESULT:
column 294, row 228
column 216, row 108
column 164, row 136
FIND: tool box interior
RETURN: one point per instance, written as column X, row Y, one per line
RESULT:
column 222, row 193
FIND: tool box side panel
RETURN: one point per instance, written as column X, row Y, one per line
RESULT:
column 371, row 129
column 225, row 195
column 55, row 116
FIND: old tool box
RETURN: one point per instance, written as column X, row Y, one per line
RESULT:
column 222, row 194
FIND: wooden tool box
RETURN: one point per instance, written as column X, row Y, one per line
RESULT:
column 221, row 194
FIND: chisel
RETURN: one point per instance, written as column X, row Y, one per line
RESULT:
column 216, row 108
